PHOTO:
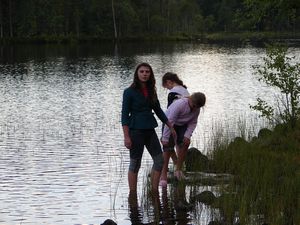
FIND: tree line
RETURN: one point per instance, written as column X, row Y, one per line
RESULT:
column 141, row 18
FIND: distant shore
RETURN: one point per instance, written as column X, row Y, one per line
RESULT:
column 256, row 38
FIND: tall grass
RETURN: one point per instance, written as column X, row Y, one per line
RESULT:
column 267, row 176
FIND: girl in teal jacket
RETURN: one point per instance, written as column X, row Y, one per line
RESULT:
column 138, row 121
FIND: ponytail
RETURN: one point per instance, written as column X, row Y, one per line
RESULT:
column 172, row 77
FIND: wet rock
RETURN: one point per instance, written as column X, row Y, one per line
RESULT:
column 206, row 197
column 109, row 222
column 196, row 161
column 215, row 223
column 203, row 178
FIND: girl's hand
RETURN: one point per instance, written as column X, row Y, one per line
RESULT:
column 173, row 133
column 127, row 142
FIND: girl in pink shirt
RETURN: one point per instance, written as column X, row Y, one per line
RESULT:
column 183, row 115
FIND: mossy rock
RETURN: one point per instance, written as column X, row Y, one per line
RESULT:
column 237, row 143
column 254, row 139
column 196, row 161
column 280, row 128
column 263, row 133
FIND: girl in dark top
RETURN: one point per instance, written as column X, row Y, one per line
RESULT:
column 175, row 86
column 139, row 122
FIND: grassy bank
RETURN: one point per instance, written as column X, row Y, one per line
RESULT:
column 267, row 177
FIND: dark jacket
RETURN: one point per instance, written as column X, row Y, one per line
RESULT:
column 137, row 110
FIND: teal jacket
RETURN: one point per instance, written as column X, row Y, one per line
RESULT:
column 137, row 111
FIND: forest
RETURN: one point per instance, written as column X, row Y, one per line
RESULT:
column 117, row 19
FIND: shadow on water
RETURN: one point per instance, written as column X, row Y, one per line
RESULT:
column 166, row 207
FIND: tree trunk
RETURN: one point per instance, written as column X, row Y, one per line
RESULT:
column 148, row 15
column 168, row 17
column 77, row 26
column 77, row 20
column 1, row 21
column 10, row 18
column 114, row 19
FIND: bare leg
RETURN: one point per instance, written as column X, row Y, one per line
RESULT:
column 164, row 172
column 174, row 157
column 132, row 181
column 156, row 205
column 155, row 176
column 181, row 153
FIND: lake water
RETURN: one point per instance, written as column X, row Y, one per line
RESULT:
column 62, row 159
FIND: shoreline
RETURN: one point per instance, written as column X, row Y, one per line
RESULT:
column 240, row 38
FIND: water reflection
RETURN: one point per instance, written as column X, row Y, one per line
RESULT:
column 135, row 213
column 167, row 207
column 172, row 205
column 41, row 53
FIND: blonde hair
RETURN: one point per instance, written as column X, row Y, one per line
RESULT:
column 198, row 98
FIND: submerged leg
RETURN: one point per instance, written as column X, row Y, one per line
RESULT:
column 134, row 167
column 164, row 172
column 158, row 162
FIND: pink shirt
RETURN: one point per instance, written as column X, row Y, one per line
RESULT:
column 179, row 113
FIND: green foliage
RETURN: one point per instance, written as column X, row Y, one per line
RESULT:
column 279, row 72
column 34, row 18
column 210, row 23
column 199, row 23
column 263, row 107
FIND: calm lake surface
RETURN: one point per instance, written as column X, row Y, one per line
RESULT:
column 62, row 159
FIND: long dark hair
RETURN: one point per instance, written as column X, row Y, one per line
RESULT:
column 172, row 77
column 136, row 84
